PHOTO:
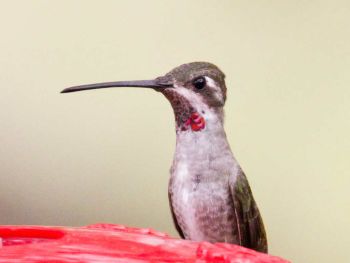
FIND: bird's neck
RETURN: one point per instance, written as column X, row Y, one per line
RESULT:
column 204, row 155
column 202, row 136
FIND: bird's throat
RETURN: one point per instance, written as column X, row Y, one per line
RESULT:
column 191, row 112
column 195, row 122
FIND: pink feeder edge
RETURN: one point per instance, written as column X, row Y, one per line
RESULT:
column 114, row 243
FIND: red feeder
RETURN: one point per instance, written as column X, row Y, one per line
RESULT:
column 114, row 243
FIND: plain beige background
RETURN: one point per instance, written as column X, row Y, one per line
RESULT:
column 104, row 156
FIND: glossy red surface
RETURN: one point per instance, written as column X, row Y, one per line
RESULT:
column 113, row 243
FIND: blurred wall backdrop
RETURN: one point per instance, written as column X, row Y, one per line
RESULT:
column 104, row 156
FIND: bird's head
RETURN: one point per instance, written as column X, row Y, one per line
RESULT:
column 196, row 91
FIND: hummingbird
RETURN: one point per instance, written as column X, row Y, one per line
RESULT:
column 209, row 195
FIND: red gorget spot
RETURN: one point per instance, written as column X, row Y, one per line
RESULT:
column 195, row 121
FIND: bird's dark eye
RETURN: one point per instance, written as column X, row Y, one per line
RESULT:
column 199, row 83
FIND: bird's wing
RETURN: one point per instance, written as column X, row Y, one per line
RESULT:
column 250, row 227
column 174, row 218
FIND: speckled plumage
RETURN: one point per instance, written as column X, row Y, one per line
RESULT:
column 209, row 194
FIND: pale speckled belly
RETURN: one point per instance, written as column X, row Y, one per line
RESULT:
column 204, row 210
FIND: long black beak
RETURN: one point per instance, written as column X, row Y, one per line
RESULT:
column 155, row 84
